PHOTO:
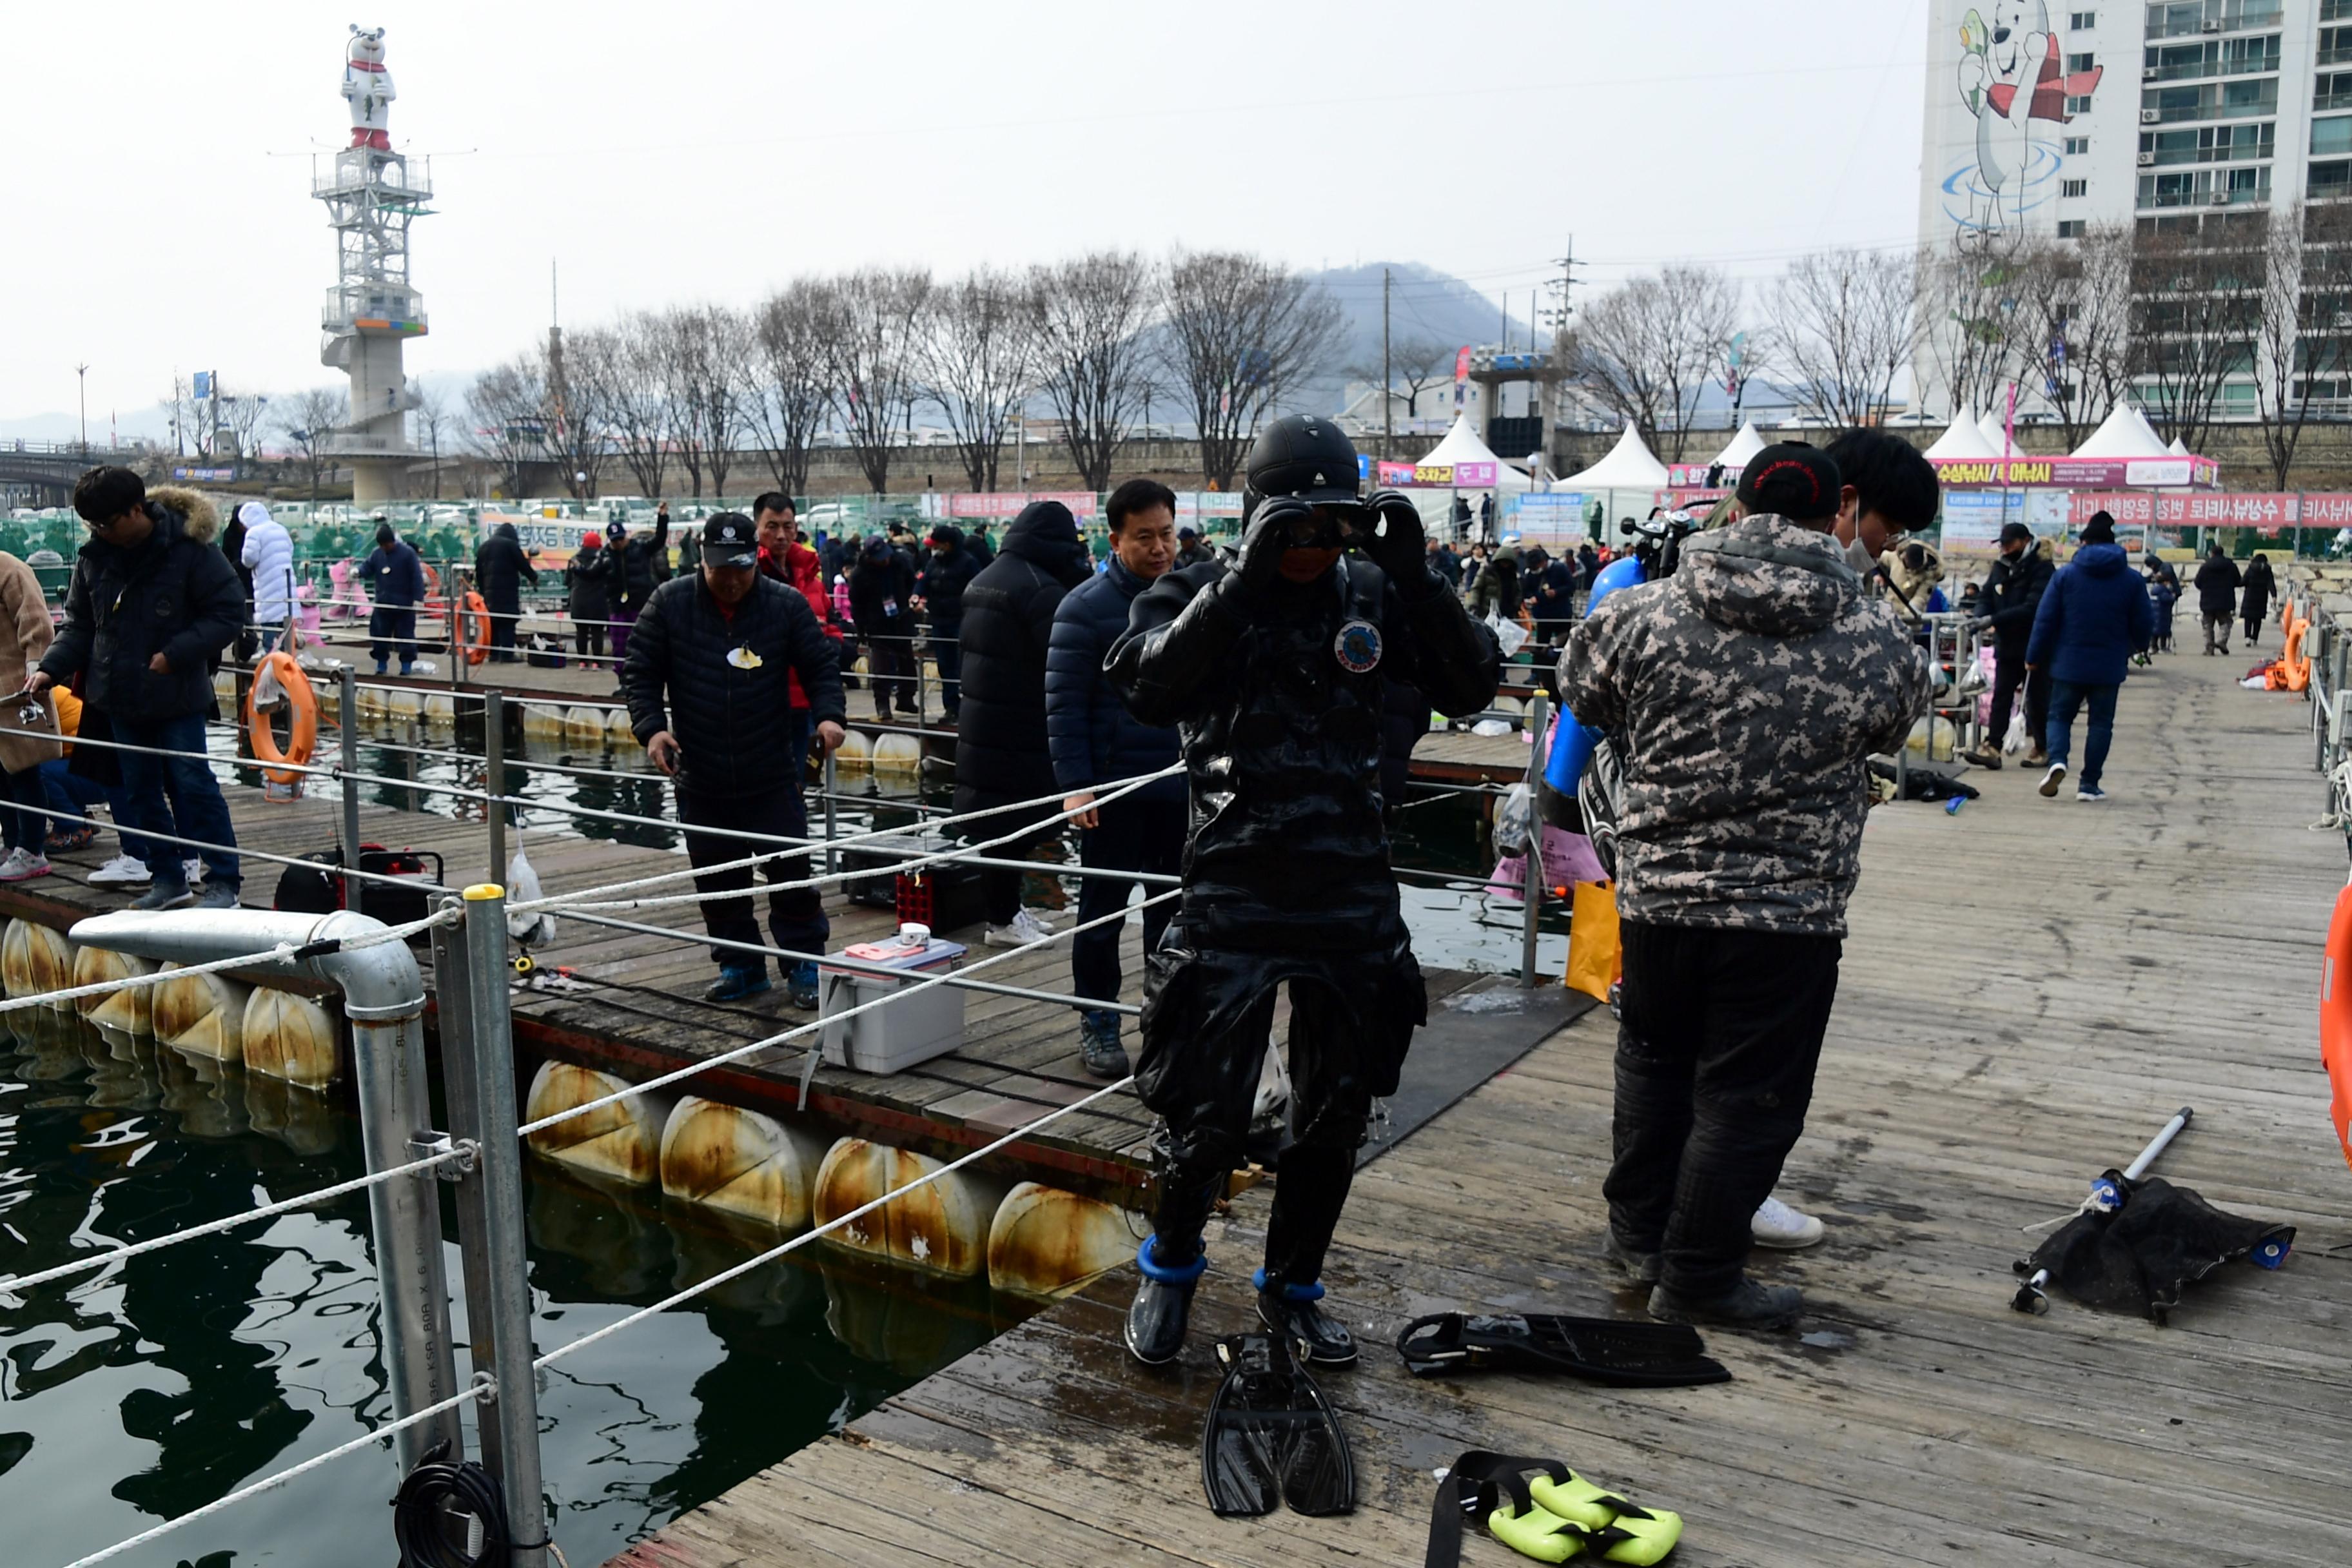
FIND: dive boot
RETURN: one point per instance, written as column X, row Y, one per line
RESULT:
column 1296, row 1312
column 1746, row 1305
column 1162, row 1308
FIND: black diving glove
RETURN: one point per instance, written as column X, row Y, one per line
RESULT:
column 1400, row 548
column 1260, row 557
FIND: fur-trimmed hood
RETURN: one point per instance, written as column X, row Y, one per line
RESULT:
column 199, row 519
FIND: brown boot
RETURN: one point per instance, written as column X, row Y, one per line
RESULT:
column 1983, row 757
column 2037, row 758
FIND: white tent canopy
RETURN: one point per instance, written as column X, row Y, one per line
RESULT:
column 1630, row 466
column 2180, row 448
column 1996, row 435
column 1462, row 446
column 1966, row 441
column 1744, row 445
column 2124, row 435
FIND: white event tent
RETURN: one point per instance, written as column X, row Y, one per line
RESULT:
column 1964, row 441
column 1996, row 435
column 1629, row 469
column 2124, row 435
column 1462, row 446
column 1742, row 447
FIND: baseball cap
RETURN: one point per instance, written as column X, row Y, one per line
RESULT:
column 2014, row 530
column 1792, row 480
column 729, row 539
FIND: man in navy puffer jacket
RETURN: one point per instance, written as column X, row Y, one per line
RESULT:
column 1096, row 742
column 2095, row 615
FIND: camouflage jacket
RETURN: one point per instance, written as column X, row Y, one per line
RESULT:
column 1746, row 691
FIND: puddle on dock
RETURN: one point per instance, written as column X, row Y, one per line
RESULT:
column 152, row 1389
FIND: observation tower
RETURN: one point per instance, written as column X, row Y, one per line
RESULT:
column 371, row 309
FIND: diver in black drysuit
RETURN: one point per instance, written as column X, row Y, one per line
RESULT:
column 1274, row 672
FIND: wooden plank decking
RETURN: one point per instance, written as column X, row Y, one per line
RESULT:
column 2031, row 988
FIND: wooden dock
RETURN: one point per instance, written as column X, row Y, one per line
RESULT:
column 2031, row 988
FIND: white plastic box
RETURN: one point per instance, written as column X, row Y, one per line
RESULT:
column 900, row 1033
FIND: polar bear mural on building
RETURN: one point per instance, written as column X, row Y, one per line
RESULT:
column 2012, row 73
column 367, row 86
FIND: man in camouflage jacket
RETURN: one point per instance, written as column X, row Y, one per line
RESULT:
column 1747, row 692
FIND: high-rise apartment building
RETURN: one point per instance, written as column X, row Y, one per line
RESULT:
column 2181, row 117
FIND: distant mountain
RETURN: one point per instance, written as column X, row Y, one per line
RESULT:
column 1425, row 306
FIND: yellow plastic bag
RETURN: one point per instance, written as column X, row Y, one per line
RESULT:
column 1595, row 954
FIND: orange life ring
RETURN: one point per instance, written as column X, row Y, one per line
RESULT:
column 431, row 582
column 304, row 703
column 2336, row 1020
column 2295, row 661
column 471, row 635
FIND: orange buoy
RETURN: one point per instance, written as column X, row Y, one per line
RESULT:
column 2336, row 1020
column 285, row 781
column 2294, row 661
column 472, row 632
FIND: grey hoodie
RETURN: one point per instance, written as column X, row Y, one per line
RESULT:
column 1746, row 690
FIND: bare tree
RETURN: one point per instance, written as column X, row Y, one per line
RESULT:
column 1419, row 364
column 1972, row 319
column 623, row 370
column 309, row 419
column 2197, row 307
column 979, row 360
column 1234, row 332
column 1850, row 324
column 1648, row 351
column 2303, row 341
column 577, row 413
column 872, row 327
column 1090, row 316
column 787, row 387
column 435, row 418
column 2067, row 303
column 505, row 409
column 243, row 418
column 707, row 344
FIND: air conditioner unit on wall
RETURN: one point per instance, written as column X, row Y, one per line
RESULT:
column 2147, row 160
column 2150, row 117
column 2210, row 27
column 2218, row 198
column 2150, row 73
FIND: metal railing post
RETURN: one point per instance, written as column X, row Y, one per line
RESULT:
column 922, row 702
column 1535, row 877
column 494, row 776
column 832, row 824
column 486, row 1046
column 347, row 698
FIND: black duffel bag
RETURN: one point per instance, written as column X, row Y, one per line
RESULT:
column 319, row 887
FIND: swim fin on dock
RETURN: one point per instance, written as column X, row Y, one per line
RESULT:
column 1272, row 1438
column 1603, row 1349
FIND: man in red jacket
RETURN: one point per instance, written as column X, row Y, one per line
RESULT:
column 783, row 557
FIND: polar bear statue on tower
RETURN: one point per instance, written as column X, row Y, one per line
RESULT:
column 367, row 86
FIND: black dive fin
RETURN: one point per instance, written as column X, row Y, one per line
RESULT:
column 1272, row 1438
column 1604, row 1350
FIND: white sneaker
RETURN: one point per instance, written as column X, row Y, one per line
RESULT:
column 193, row 869
column 1023, row 929
column 121, row 871
column 2091, row 792
column 1778, row 1226
column 2051, row 780
column 21, row 864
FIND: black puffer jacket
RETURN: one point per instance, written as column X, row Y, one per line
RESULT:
column 174, row 595
column 880, row 585
column 635, row 563
column 2011, row 595
column 590, row 598
column 943, row 580
column 501, row 569
column 1002, row 753
column 721, row 684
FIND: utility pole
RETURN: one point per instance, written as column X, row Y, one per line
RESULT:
column 81, row 372
column 1388, row 403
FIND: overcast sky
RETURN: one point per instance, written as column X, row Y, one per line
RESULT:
column 703, row 150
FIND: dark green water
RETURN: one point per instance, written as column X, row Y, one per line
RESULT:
column 162, row 1384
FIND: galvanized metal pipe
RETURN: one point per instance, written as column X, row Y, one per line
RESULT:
column 1537, row 716
column 499, row 1178
column 494, row 778
column 384, row 998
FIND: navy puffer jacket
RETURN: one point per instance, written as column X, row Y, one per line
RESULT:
column 720, row 683
column 1008, row 622
column 2094, row 617
column 1095, row 740
column 173, row 594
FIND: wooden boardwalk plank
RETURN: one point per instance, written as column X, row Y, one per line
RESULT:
column 2030, row 988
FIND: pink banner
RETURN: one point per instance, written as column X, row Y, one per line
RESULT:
column 1474, row 476
column 1982, row 473
column 1001, row 503
column 2267, row 511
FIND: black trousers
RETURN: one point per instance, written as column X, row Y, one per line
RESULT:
column 795, row 918
column 1134, row 836
column 586, row 639
column 390, row 628
column 2008, row 671
column 1715, row 1058
column 1331, row 1104
column 502, row 634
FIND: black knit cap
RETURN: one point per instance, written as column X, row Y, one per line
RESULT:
column 1793, row 479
